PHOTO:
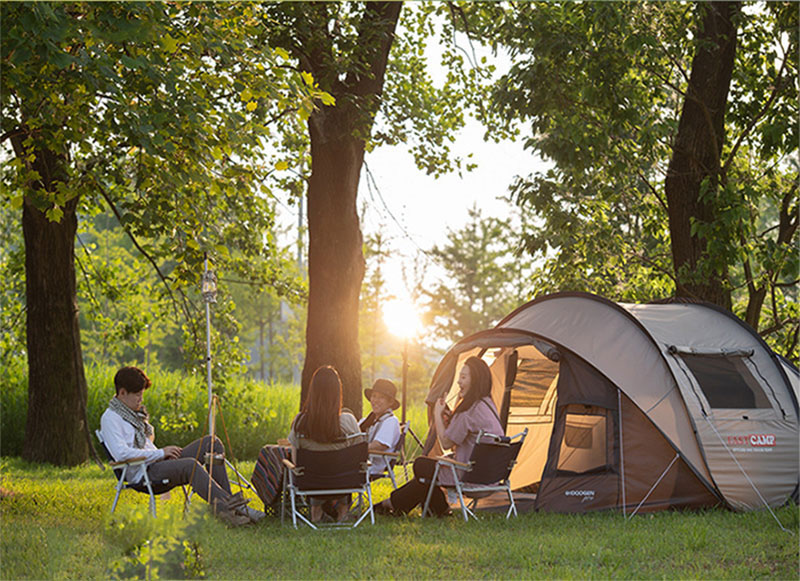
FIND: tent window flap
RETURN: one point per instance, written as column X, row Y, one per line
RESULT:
column 726, row 382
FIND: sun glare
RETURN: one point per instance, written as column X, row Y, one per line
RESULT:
column 401, row 318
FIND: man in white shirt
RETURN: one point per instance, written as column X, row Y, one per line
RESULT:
column 381, row 425
column 127, row 433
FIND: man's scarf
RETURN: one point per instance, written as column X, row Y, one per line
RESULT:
column 137, row 419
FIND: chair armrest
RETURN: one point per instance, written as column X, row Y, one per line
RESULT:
column 387, row 454
column 445, row 460
column 288, row 463
column 129, row 461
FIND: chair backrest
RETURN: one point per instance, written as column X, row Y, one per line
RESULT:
column 492, row 459
column 332, row 469
column 109, row 457
column 400, row 446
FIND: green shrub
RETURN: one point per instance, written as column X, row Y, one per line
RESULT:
column 13, row 407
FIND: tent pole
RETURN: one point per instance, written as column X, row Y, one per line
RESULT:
column 660, row 478
column 621, row 450
column 405, row 377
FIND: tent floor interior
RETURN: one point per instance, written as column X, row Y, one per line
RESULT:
column 498, row 502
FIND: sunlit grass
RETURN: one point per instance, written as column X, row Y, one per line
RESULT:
column 54, row 526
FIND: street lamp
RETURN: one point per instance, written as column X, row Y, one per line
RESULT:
column 402, row 320
column 209, row 292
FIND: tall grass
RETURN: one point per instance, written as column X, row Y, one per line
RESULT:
column 252, row 413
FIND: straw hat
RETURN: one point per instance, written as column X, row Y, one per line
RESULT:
column 384, row 387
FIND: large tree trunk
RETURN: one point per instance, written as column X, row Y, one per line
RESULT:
column 696, row 155
column 335, row 259
column 56, row 429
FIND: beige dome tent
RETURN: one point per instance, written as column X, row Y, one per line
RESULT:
column 638, row 407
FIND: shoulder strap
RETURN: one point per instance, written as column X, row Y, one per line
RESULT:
column 494, row 411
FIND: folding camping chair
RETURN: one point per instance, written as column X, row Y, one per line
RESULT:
column 392, row 457
column 327, row 473
column 121, row 470
column 488, row 471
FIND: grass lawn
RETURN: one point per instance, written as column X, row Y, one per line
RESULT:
column 55, row 526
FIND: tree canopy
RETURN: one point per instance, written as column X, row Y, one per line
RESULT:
column 598, row 89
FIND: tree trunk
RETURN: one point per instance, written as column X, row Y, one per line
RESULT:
column 337, row 134
column 335, row 263
column 696, row 156
column 56, row 430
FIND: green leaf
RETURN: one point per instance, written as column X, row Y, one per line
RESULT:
column 55, row 214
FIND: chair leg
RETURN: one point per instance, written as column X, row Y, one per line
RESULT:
column 120, row 485
column 116, row 497
column 430, row 491
column 294, row 508
column 464, row 509
column 513, row 507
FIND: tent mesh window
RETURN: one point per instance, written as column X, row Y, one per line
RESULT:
column 583, row 448
column 533, row 379
column 726, row 382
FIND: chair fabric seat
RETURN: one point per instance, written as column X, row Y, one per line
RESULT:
column 489, row 470
column 327, row 473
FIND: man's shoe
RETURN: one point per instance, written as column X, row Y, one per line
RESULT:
column 251, row 513
column 381, row 508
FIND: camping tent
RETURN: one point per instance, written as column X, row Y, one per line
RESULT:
column 638, row 407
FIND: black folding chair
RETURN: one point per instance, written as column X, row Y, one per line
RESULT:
column 146, row 486
column 327, row 473
column 488, row 471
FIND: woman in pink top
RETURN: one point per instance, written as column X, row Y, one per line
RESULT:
column 475, row 412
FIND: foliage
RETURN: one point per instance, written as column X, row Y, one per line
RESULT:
column 597, row 88
column 53, row 527
column 160, row 113
column 12, row 272
column 484, row 278
column 123, row 316
column 274, row 324
column 253, row 413
column 156, row 548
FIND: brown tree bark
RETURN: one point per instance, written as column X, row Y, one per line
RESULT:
column 56, row 430
column 335, row 259
column 696, row 154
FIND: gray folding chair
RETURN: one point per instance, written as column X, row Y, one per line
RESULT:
column 488, row 471
column 146, row 486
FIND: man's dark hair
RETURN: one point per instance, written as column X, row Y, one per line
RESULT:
column 131, row 379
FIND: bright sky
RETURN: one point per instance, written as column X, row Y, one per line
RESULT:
column 414, row 210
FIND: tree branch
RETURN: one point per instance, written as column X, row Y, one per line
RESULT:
column 150, row 259
column 750, row 126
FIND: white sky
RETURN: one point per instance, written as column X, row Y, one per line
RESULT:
column 419, row 208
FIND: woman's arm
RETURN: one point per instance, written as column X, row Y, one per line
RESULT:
column 444, row 441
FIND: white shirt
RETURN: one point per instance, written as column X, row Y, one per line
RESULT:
column 386, row 431
column 118, row 436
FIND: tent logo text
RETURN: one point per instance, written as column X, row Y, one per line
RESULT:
column 755, row 440
column 587, row 495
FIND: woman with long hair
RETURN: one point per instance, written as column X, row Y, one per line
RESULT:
column 323, row 425
column 474, row 412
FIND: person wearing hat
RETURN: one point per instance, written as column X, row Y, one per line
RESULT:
column 381, row 425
